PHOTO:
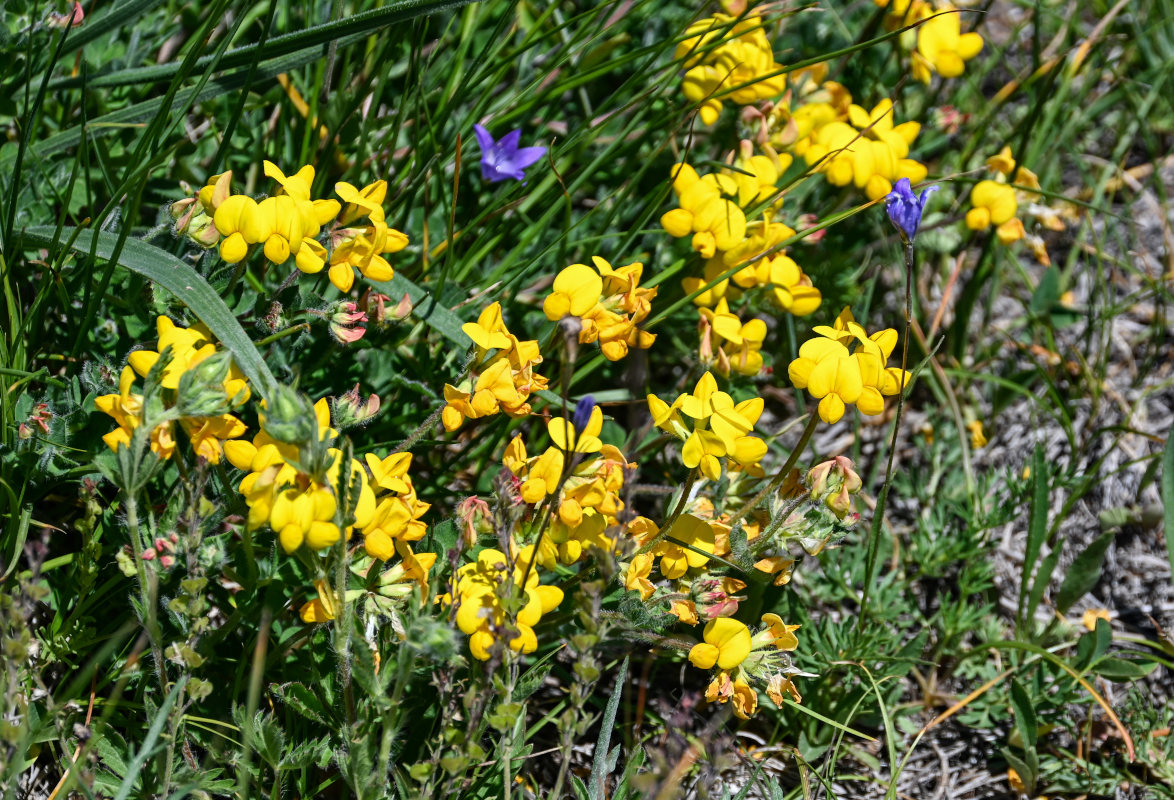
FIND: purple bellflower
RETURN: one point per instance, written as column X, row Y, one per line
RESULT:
column 905, row 208
column 583, row 411
column 504, row 159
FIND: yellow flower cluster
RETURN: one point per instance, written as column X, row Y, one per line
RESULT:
column 938, row 44
column 188, row 347
column 741, row 658
column 1005, row 207
column 300, row 506
column 693, row 595
column 728, row 343
column 720, row 429
column 288, row 224
column 838, row 376
column 712, row 210
column 398, row 510
column 484, row 611
column 591, row 475
column 865, row 149
column 996, row 203
column 502, row 377
column 287, row 494
column 609, row 304
column 727, row 57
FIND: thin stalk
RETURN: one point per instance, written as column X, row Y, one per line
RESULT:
column 879, row 512
column 686, row 490
column 781, row 475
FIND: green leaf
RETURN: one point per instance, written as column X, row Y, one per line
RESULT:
column 347, row 30
column 1168, row 497
column 1025, row 720
column 1042, row 578
column 442, row 537
column 176, row 277
column 1047, row 294
column 1036, row 529
column 1120, row 670
column 1026, row 774
column 580, row 788
column 344, row 32
column 1083, row 574
column 599, row 770
column 302, row 700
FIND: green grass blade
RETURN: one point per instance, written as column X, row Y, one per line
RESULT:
column 127, row 785
column 343, row 31
column 1036, row 526
column 182, row 281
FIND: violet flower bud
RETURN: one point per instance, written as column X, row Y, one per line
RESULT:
column 905, row 208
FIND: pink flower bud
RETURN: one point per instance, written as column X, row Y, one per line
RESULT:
column 817, row 478
column 352, row 409
column 70, row 20
column 840, row 503
column 148, row 554
column 346, row 323
column 375, row 304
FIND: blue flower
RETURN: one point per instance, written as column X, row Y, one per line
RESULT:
column 905, row 208
column 583, row 411
column 503, row 159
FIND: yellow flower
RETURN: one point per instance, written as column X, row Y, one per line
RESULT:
column 504, row 382
column 323, row 607
column 879, row 124
column 722, row 52
column 738, row 344
column 481, row 613
column 777, row 633
column 1004, row 164
column 637, row 575
column 676, row 559
column 944, row 47
column 361, row 247
column 720, row 427
column 576, row 291
column 838, row 377
column 189, row 346
column 977, row 436
column 715, row 222
column 127, row 410
column 826, row 369
column 727, row 644
column 994, row 203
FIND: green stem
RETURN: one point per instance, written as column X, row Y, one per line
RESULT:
column 878, row 516
column 290, row 331
column 680, row 509
column 781, row 475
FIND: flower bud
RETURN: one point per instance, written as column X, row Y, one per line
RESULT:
column 201, row 388
column 840, row 503
column 475, row 518
column 181, row 211
column 583, row 411
column 71, row 20
column 403, row 309
column 352, row 410
column 817, row 478
column 290, row 417
column 346, row 323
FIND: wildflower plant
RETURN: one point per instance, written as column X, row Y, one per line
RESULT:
column 330, row 467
